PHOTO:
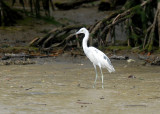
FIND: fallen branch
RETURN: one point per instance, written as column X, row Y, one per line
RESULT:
column 156, row 61
column 119, row 57
column 17, row 62
column 22, row 55
column 152, row 60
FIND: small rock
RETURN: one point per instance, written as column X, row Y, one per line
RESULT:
column 5, row 58
column 130, row 60
column 131, row 76
column 102, row 97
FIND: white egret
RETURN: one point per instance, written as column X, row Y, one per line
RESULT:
column 97, row 57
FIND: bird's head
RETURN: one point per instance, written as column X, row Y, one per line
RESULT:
column 82, row 30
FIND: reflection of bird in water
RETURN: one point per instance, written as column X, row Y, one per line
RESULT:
column 96, row 56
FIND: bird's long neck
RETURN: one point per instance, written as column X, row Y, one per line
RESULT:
column 85, row 39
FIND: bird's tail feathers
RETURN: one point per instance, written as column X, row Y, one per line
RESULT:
column 111, row 69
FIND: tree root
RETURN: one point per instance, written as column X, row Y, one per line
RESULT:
column 100, row 30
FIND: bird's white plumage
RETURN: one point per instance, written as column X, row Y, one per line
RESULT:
column 96, row 56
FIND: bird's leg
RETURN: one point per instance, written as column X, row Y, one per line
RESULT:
column 102, row 76
column 96, row 75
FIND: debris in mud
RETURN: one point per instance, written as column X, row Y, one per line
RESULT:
column 152, row 60
column 83, row 106
column 101, row 97
column 82, row 86
column 135, row 105
column 119, row 57
column 156, row 61
column 130, row 60
column 20, row 55
column 35, row 104
column 80, row 102
column 29, row 88
column 17, row 62
column 22, row 58
column 26, row 56
column 84, row 103
column 131, row 76
column 75, row 53
column 156, row 97
column 81, row 64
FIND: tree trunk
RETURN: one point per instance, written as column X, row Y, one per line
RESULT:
column 8, row 16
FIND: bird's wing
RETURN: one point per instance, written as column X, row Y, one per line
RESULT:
column 99, row 58
column 100, row 54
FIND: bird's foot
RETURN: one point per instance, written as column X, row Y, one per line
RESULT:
column 94, row 85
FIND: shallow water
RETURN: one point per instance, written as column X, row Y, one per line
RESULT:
column 65, row 86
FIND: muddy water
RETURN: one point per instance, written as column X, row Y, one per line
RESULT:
column 65, row 86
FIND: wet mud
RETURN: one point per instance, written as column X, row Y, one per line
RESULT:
column 64, row 86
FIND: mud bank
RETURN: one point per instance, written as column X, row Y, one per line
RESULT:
column 64, row 86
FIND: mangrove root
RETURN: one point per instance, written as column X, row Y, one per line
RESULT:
column 100, row 31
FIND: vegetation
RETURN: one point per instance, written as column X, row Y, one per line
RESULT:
column 140, row 20
column 8, row 16
column 35, row 6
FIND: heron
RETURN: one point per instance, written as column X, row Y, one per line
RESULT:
column 97, row 57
